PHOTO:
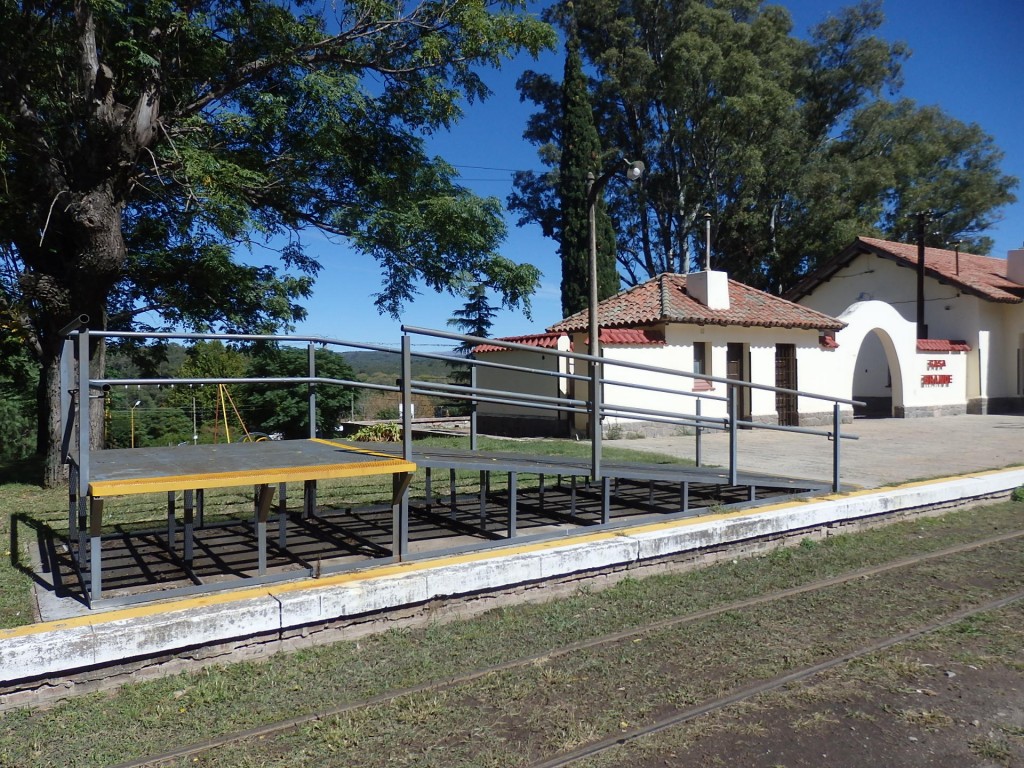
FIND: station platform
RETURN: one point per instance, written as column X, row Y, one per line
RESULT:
column 268, row 466
column 522, row 497
column 269, row 618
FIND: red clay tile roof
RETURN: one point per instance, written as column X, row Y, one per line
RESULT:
column 542, row 340
column 633, row 336
column 982, row 276
column 664, row 299
column 942, row 345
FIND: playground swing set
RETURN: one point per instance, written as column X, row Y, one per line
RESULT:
column 221, row 410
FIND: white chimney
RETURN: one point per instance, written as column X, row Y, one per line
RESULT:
column 1015, row 265
column 711, row 288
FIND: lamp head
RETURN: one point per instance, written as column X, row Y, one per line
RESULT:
column 635, row 169
column 137, row 404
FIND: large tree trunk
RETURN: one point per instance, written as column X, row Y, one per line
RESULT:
column 93, row 255
column 49, row 436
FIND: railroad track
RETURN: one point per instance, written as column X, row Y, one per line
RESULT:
column 239, row 738
column 749, row 692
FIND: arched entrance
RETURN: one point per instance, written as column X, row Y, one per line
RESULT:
column 880, row 345
column 876, row 377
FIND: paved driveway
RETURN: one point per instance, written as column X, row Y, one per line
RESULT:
column 888, row 451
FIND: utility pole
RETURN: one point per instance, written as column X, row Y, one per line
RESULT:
column 922, row 219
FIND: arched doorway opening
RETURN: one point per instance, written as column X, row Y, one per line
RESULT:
column 877, row 378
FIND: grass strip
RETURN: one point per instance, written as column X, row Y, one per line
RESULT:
column 954, row 693
column 156, row 715
column 556, row 706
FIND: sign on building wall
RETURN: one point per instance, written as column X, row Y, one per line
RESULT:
column 934, row 379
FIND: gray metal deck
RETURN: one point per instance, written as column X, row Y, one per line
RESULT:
column 523, row 497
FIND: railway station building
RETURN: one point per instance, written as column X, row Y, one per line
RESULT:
column 966, row 355
column 702, row 323
column 850, row 330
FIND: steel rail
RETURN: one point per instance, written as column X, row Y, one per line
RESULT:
column 284, row 726
column 750, row 691
column 563, row 404
column 322, row 340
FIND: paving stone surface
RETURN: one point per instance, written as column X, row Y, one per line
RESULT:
column 887, row 451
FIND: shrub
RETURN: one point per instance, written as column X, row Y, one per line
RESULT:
column 379, row 433
column 1018, row 493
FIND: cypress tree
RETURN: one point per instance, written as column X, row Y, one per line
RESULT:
column 581, row 154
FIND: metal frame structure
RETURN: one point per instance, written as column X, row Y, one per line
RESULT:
column 126, row 471
column 732, row 423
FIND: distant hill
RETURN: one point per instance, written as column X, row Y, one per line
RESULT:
column 384, row 367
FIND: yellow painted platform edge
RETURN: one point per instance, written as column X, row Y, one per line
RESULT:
column 246, row 477
column 347, row 447
column 416, row 566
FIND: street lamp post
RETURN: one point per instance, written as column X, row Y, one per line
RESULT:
column 132, row 413
column 633, row 171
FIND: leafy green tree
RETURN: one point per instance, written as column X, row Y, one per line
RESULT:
column 19, row 377
column 788, row 143
column 918, row 158
column 143, row 143
column 284, row 408
column 209, row 360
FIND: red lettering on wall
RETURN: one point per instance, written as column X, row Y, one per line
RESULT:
column 933, row 364
column 936, row 379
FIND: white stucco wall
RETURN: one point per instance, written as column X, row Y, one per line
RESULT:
column 524, row 380
column 813, row 366
column 1007, row 340
column 677, row 357
column 994, row 331
column 920, row 380
column 896, row 335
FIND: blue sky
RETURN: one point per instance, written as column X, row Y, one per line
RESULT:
column 965, row 59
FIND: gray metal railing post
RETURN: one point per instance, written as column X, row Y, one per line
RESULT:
column 407, row 397
column 595, row 420
column 696, row 449
column 83, row 415
column 311, row 390
column 67, row 402
column 67, row 383
column 835, row 447
column 472, row 410
column 84, row 435
column 733, row 432
column 401, row 505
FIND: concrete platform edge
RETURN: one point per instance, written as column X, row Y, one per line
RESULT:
column 120, row 636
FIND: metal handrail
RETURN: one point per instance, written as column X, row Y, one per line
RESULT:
column 408, row 386
column 612, row 362
column 598, row 409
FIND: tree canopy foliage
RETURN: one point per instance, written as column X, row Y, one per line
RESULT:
column 142, row 144
column 285, row 409
column 791, row 144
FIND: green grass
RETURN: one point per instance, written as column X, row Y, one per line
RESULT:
column 560, row 702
